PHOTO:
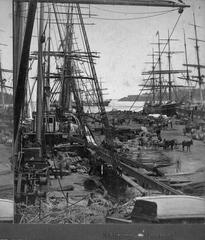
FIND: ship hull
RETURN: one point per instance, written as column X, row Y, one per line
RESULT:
column 168, row 109
column 105, row 103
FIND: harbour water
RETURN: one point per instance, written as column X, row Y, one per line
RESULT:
column 120, row 105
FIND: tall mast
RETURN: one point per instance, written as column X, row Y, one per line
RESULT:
column 95, row 78
column 160, row 69
column 66, row 44
column 153, row 76
column 68, row 61
column 26, row 111
column 47, row 79
column 186, row 57
column 169, row 72
column 40, row 78
column 150, row 83
column 163, row 85
column 198, row 61
column 108, row 133
column 187, row 67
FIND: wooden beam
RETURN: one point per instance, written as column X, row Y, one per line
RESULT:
column 164, row 72
column 149, row 3
column 146, row 180
column 133, row 184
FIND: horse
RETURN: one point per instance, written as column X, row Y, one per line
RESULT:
column 169, row 143
column 187, row 144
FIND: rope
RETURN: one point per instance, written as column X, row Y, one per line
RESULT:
column 130, row 13
column 133, row 18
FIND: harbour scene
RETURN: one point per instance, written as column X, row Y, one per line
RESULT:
column 108, row 115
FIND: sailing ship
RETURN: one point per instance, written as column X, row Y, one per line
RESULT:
column 66, row 81
column 194, row 109
column 106, row 103
column 162, row 90
column 56, row 124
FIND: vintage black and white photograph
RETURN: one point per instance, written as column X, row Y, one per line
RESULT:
column 6, row 113
column 109, row 111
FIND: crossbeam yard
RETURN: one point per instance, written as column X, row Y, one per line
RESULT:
column 154, row 3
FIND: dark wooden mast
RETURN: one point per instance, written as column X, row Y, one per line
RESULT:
column 40, row 78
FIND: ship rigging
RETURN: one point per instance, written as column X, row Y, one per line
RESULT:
column 66, row 78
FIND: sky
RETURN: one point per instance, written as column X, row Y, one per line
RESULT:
column 6, row 37
column 124, row 45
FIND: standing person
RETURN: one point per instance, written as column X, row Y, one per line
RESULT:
column 171, row 123
column 92, row 162
column 139, row 154
column 155, row 169
column 60, row 159
column 158, row 132
column 178, row 165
